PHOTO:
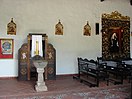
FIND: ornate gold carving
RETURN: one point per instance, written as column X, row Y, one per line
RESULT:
column 28, row 37
column 50, row 70
column 115, row 15
column 50, row 53
column 23, row 71
column 115, row 23
column 23, row 57
column 23, row 53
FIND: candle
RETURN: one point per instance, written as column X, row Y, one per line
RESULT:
column 37, row 48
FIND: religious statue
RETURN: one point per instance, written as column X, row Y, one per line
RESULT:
column 114, row 43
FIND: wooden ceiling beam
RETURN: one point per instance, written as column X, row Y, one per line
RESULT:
column 130, row 1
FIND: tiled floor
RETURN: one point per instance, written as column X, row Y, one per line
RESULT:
column 11, row 87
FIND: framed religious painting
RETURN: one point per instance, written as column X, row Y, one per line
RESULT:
column 87, row 30
column 115, row 36
column 6, row 48
column 11, row 28
column 59, row 28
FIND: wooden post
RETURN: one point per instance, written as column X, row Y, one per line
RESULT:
column 101, row 0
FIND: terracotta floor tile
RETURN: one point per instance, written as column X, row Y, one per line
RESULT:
column 65, row 86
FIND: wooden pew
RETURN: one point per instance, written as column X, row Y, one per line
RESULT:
column 89, row 72
column 115, row 75
column 114, row 70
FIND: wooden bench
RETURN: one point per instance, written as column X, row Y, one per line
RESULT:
column 89, row 72
column 114, row 70
column 115, row 75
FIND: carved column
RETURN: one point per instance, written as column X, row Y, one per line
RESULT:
column 40, row 64
column 40, row 86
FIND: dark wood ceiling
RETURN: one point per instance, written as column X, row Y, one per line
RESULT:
column 130, row 1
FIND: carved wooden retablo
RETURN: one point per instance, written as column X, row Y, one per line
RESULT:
column 115, row 36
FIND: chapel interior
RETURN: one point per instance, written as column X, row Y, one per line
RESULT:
column 88, row 41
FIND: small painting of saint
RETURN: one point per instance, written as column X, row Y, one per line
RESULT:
column 11, row 28
column 59, row 28
column 87, row 30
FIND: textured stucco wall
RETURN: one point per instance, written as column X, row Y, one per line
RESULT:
column 40, row 16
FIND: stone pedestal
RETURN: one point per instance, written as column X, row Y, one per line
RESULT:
column 40, row 65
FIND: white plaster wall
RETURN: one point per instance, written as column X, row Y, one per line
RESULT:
column 40, row 16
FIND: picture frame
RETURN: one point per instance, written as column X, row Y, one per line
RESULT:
column 115, row 36
column 6, row 48
column 11, row 28
column 59, row 28
column 87, row 30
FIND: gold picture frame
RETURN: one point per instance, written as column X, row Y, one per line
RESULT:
column 115, row 36
column 6, row 48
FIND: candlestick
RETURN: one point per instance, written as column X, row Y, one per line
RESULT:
column 37, row 48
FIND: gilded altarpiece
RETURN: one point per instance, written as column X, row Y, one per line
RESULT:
column 115, row 36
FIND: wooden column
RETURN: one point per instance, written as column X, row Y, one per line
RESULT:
column 28, row 55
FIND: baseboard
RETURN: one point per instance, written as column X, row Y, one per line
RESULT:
column 67, row 75
column 56, row 76
column 1, row 78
